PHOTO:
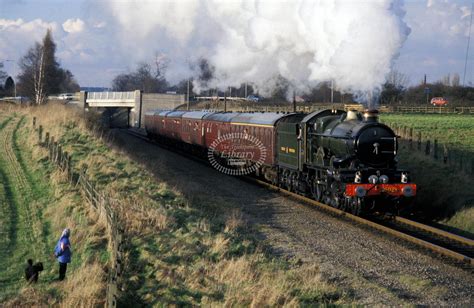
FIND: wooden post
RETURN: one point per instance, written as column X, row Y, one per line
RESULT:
column 40, row 133
column 410, row 138
column 46, row 139
column 428, row 147
column 34, row 122
column 419, row 141
column 60, row 156
column 55, row 151
column 445, row 154
column 435, row 149
column 51, row 146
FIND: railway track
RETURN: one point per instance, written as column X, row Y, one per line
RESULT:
column 455, row 247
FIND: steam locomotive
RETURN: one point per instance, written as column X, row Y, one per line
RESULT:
column 344, row 159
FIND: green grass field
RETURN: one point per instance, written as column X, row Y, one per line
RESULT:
column 456, row 130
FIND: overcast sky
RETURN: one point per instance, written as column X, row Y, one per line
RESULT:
column 88, row 45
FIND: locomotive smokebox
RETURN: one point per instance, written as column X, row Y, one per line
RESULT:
column 371, row 116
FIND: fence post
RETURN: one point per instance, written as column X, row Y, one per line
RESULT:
column 46, row 139
column 428, row 147
column 56, row 152
column 410, row 138
column 445, row 154
column 59, row 156
column 435, row 149
column 69, row 167
column 40, row 133
column 51, row 148
column 419, row 141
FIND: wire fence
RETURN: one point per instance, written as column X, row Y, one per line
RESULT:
column 449, row 154
column 78, row 177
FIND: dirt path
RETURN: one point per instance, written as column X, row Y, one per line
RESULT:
column 20, row 213
column 373, row 268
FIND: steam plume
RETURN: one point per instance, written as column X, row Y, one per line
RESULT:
column 307, row 42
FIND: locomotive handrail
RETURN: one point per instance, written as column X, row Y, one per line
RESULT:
column 336, row 137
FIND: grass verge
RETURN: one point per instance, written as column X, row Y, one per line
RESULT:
column 180, row 251
column 36, row 204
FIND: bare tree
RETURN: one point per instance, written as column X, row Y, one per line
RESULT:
column 39, row 80
column 394, row 87
column 143, row 78
column 398, row 79
column 161, row 64
column 32, row 76
column 455, row 81
column 446, row 80
column 3, row 74
column 41, row 73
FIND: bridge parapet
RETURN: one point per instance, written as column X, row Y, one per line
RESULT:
column 113, row 99
column 136, row 102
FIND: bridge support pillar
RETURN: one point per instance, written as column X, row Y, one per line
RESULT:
column 82, row 99
column 137, row 119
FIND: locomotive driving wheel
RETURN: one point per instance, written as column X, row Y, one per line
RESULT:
column 356, row 207
column 319, row 192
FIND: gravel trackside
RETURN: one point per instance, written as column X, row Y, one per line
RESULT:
column 370, row 267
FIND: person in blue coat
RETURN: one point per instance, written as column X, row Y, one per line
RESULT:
column 62, row 252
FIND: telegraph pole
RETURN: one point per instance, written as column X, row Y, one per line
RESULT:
column 225, row 101
column 467, row 49
column 294, row 101
column 187, row 103
column 332, row 91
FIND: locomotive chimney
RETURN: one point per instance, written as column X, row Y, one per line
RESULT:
column 371, row 116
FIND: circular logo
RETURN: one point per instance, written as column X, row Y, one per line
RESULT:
column 237, row 153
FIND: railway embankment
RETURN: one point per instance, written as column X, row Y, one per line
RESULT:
column 36, row 204
column 369, row 266
column 181, row 249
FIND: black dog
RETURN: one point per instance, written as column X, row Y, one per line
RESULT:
column 32, row 271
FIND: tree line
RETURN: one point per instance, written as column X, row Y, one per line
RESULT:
column 150, row 78
column 397, row 91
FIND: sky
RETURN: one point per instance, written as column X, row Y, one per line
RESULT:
column 96, row 40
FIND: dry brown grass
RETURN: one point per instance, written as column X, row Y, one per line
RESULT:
column 175, row 255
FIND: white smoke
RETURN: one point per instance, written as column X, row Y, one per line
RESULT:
column 352, row 43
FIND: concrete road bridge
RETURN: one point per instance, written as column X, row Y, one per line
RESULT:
column 136, row 102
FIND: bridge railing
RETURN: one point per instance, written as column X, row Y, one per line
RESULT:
column 111, row 96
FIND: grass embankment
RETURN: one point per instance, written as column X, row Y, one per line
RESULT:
column 36, row 203
column 444, row 193
column 179, row 251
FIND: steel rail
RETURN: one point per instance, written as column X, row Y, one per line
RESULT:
column 441, row 233
column 411, row 239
